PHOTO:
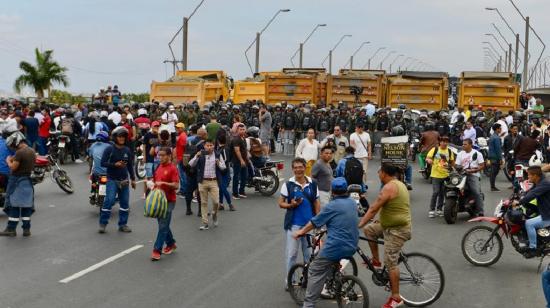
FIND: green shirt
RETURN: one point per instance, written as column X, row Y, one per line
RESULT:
column 397, row 212
column 538, row 108
column 212, row 129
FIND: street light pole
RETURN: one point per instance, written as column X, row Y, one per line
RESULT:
column 300, row 50
column 492, row 47
column 350, row 61
column 526, row 56
column 394, row 60
column 330, row 53
column 402, row 64
column 500, row 45
column 386, row 57
column 257, row 41
column 374, row 55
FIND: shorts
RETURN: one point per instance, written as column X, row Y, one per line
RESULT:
column 394, row 239
column 149, row 170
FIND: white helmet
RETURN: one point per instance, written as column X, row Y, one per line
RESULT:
column 536, row 159
column 15, row 139
column 142, row 111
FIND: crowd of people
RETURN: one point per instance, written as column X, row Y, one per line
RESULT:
column 197, row 152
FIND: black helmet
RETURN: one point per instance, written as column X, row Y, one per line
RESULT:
column 399, row 113
column 120, row 131
column 515, row 216
column 460, row 118
column 253, row 131
column 397, row 131
column 402, row 107
column 429, row 125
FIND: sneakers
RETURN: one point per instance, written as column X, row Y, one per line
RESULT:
column 409, row 186
column 431, row 214
column 102, row 229
column 188, row 212
column 392, row 303
column 232, row 208
column 26, row 232
column 236, row 197
column 376, row 263
column 221, row 208
column 195, row 200
column 169, row 249
column 242, row 196
column 439, row 213
column 78, row 161
column 494, row 189
column 124, row 229
column 8, row 232
column 155, row 256
column 215, row 219
column 204, row 227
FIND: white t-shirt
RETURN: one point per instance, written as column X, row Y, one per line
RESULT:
column 466, row 160
column 172, row 118
column 308, row 151
column 115, row 117
column 361, row 144
column 532, row 102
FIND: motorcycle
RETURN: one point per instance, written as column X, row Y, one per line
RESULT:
column 52, row 144
column 139, row 162
column 46, row 164
column 98, row 190
column 457, row 197
column 63, row 145
column 482, row 245
column 266, row 178
column 483, row 148
column 509, row 167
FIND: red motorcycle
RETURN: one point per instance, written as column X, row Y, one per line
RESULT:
column 47, row 165
column 482, row 245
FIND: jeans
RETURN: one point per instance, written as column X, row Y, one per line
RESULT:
column 239, row 178
column 319, row 271
column 112, row 191
column 291, row 250
column 546, row 286
column 16, row 213
column 438, row 194
column 190, row 188
column 224, row 183
column 495, row 169
column 408, row 174
column 41, row 146
column 474, row 186
column 531, row 225
column 183, row 181
column 165, row 234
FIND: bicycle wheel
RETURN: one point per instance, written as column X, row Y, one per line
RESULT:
column 421, row 279
column 353, row 293
column 349, row 266
column 297, row 283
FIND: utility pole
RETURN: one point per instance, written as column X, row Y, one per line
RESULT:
column 526, row 55
column 257, row 66
column 185, row 39
column 509, row 58
column 301, row 55
column 516, row 64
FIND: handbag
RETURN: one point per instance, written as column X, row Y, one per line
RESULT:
column 156, row 204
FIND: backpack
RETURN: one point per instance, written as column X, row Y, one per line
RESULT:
column 305, row 123
column 323, row 127
column 289, row 121
column 353, row 171
column 190, row 151
column 67, row 126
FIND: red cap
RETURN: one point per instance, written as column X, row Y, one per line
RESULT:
column 155, row 123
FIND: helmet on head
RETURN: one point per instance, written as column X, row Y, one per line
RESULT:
column 397, row 131
column 15, row 139
column 460, row 118
column 399, row 113
column 102, row 136
column 142, row 111
column 536, row 159
column 120, row 131
column 514, row 216
column 429, row 125
column 402, row 106
column 253, row 131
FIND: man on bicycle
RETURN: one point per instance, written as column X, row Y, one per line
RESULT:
column 394, row 226
column 340, row 218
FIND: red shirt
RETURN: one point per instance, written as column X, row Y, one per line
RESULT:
column 44, row 129
column 180, row 146
column 169, row 174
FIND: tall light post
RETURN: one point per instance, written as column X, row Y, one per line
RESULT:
column 350, row 61
column 301, row 47
column 496, row 55
column 374, row 55
column 184, row 28
column 331, row 51
column 502, row 48
column 257, row 41
column 510, row 49
column 395, row 60
column 402, row 64
column 526, row 55
column 386, row 57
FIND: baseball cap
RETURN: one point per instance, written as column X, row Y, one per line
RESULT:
column 180, row 125
column 339, row 184
column 155, row 123
column 172, row 107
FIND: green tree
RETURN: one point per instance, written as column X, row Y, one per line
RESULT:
column 136, row 97
column 43, row 75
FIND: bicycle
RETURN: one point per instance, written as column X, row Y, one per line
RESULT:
column 412, row 280
column 341, row 286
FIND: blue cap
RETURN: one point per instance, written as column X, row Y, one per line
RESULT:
column 339, row 184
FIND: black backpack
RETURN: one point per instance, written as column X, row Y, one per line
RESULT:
column 190, row 151
column 353, row 171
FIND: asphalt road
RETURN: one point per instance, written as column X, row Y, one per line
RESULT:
column 238, row 264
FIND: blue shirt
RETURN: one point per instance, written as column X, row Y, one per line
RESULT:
column 113, row 154
column 495, row 147
column 31, row 125
column 4, row 153
column 304, row 212
column 340, row 217
column 370, row 110
column 99, row 126
column 96, row 152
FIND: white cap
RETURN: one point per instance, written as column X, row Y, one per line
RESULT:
column 142, row 111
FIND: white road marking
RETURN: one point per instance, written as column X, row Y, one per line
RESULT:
column 100, row 264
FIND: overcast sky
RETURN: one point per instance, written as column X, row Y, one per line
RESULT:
column 124, row 42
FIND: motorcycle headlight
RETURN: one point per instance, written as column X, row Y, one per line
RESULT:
column 455, row 180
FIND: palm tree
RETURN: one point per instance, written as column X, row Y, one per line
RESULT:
column 41, row 76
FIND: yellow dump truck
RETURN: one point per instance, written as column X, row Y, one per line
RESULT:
column 340, row 86
column 295, row 86
column 248, row 90
column 418, row 90
column 189, row 86
column 488, row 90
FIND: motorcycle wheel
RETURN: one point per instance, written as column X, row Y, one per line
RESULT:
column 506, row 169
column 473, row 242
column 270, row 185
column 450, row 210
column 63, row 181
column 62, row 156
column 140, row 169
